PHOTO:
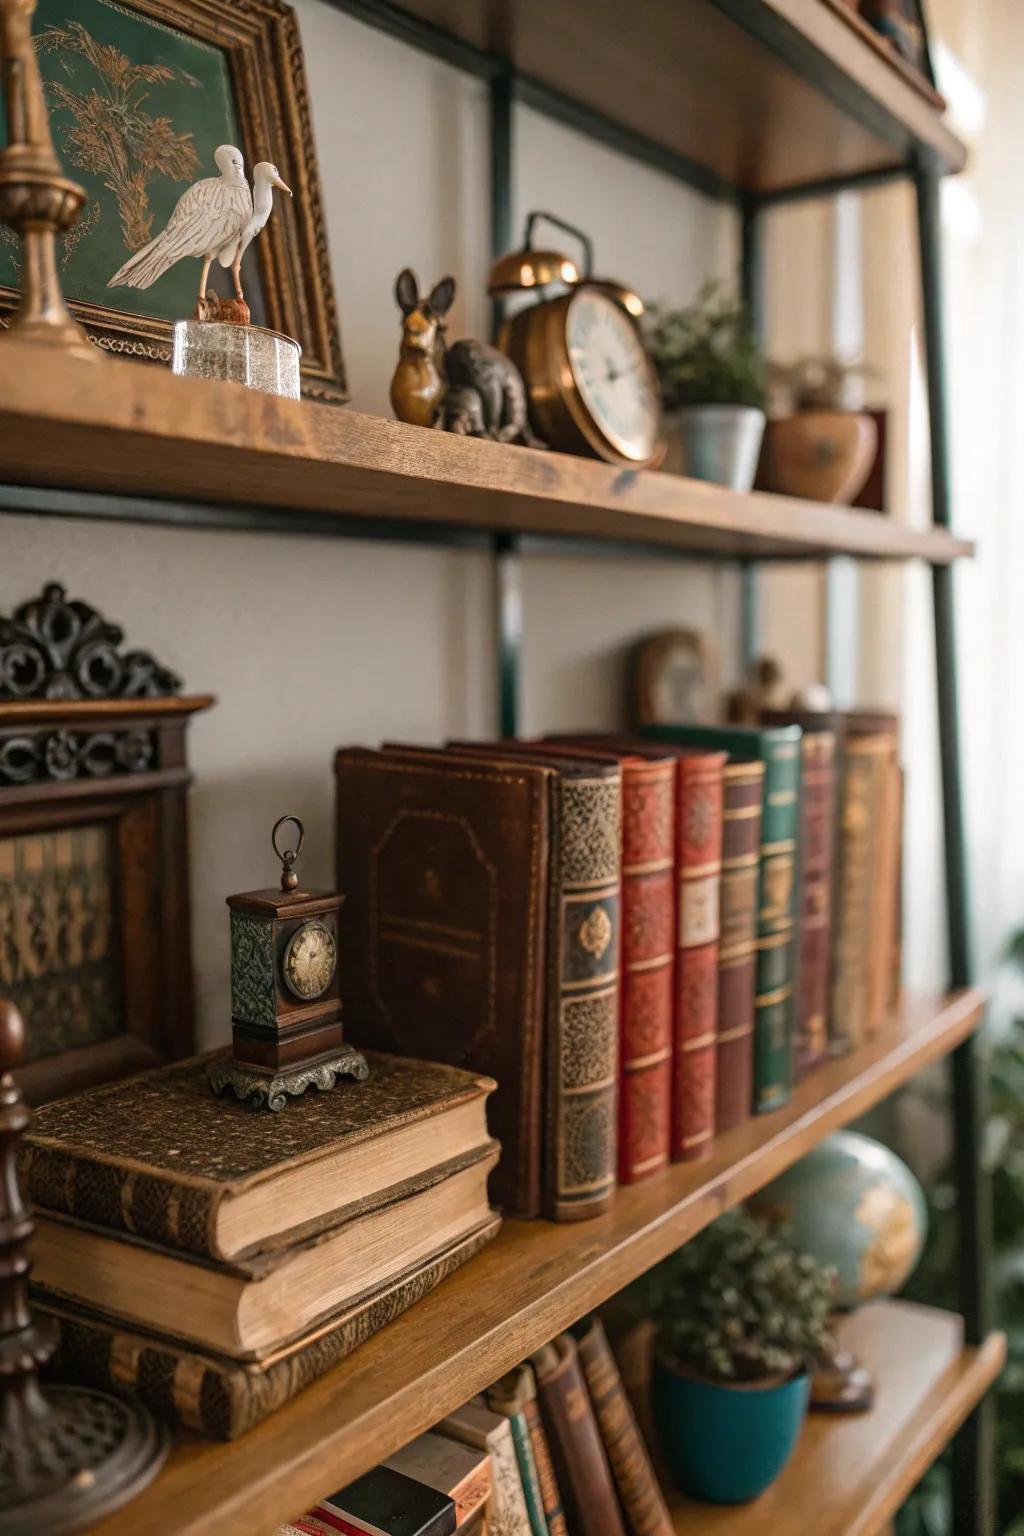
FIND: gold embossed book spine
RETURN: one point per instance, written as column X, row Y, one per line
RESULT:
column 817, row 831
column 743, row 791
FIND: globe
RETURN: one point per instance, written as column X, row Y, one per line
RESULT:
column 856, row 1206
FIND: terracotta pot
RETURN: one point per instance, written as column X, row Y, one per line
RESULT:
column 818, row 455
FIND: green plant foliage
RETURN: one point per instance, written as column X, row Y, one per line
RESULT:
column 935, row 1279
column 740, row 1304
column 706, row 354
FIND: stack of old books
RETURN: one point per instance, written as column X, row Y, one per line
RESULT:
column 216, row 1260
column 553, row 1447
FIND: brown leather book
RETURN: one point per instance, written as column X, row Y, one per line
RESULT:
column 814, row 919
column 639, row 1490
column 516, row 1396
column 444, row 864
column 225, row 1398
column 577, row 1449
column 582, row 1021
column 742, row 794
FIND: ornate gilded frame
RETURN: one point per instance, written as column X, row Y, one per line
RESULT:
column 261, row 40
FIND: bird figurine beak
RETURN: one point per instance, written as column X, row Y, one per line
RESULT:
column 283, row 185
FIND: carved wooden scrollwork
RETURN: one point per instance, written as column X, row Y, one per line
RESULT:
column 56, row 648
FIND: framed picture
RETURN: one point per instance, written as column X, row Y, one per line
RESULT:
column 95, row 940
column 140, row 94
column 673, row 679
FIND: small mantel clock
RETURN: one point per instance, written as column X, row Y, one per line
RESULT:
column 286, row 1027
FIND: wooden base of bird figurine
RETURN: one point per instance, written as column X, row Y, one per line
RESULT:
column 69, row 1455
column 211, row 307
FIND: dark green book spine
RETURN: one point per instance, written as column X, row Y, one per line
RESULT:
column 778, row 747
column 528, row 1474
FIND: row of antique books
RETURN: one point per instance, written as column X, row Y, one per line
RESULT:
column 642, row 941
column 216, row 1261
column 552, row 1448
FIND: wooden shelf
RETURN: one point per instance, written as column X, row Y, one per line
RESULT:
column 851, row 1473
column 534, row 1280
column 763, row 95
column 220, row 455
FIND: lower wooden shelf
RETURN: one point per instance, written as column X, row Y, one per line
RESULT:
column 851, row 1472
column 531, row 1282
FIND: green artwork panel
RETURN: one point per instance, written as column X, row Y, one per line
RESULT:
column 137, row 109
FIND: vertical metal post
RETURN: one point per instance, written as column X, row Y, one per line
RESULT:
column 501, row 103
column 507, row 558
column 509, row 607
column 972, row 1456
column 752, row 279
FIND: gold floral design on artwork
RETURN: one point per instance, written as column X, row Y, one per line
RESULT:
column 595, row 933
column 890, row 1254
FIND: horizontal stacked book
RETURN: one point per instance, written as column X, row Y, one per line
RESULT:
column 216, row 1261
column 642, row 941
column 551, row 1448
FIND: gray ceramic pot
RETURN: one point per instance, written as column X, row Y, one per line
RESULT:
column 715, row 442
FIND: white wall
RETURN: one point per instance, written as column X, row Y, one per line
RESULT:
column 309, row 643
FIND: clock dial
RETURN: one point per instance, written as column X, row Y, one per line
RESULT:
column 613, row 374
column 309, row 961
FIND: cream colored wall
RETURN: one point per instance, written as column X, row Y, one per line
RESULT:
column 311, row 642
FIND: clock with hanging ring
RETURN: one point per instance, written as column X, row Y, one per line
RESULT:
column 591, row 385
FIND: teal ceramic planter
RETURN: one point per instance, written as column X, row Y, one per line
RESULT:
column 726, row 1444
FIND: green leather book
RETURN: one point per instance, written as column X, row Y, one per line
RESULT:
column 778, row 747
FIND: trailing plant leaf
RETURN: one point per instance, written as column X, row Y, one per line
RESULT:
column 738, row 1303
column 706, row 354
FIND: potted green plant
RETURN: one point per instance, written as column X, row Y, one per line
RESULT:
column 713, row 388
column 821, row 446
column 738, row 1329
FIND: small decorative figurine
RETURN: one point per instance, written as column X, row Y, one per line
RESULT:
column 469, row 388
column 69, row 1454
column 285, row 1000
column 217, row 218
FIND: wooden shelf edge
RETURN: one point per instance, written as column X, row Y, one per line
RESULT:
column 109, row 427
column 530, row 1283
column 853, row 1472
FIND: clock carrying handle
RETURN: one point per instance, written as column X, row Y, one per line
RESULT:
column 569, row 229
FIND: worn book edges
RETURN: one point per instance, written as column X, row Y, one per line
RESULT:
column 224, row 1398
column 582, row 1016
column 462, row 1472
column 159, row 1157
column 476, row 1425
column 581, row 1463
column 742, row 795
column 384, row 1502
column 639, row 1490
column 252, row 1307
column 646, row 988
column 445, row 868
column 515, row 1394
column 778, row 747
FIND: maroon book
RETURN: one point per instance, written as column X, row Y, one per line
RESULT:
column 817, row 811
column 737, row 953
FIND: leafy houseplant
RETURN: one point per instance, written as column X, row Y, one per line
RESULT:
column 713, row 386
column 739, row 1322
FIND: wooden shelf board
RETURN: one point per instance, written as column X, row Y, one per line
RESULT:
column 850, row 1473
column 109, row 426
column 764, row 95
column 527, row 1285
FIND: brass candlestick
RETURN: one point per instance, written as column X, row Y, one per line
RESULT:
column 36, row 199
column 68, row 1455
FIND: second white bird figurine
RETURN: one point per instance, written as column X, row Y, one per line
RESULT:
column 217, row 218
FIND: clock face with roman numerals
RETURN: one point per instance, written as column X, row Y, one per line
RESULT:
column 613, row 374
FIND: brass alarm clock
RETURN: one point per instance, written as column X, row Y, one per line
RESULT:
column 590, row 382
column 286, row 1031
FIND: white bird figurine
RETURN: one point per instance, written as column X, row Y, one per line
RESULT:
column 215, row 219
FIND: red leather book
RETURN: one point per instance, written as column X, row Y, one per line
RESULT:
column 699, row 789
column 817, row 811
column 743, row 787
column 648, row 951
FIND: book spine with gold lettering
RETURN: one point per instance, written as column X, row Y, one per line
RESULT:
column 699, row 875
column 817, row 796
column 743, row 793
column 868, row 773
column 776, row 919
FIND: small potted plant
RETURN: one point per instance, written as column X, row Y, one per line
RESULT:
column 739, row 1326
column 822, row 445
column 712, row 383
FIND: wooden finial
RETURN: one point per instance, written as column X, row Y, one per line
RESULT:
column 36, row 199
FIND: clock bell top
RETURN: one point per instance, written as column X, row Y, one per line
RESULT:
column 273, row 903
